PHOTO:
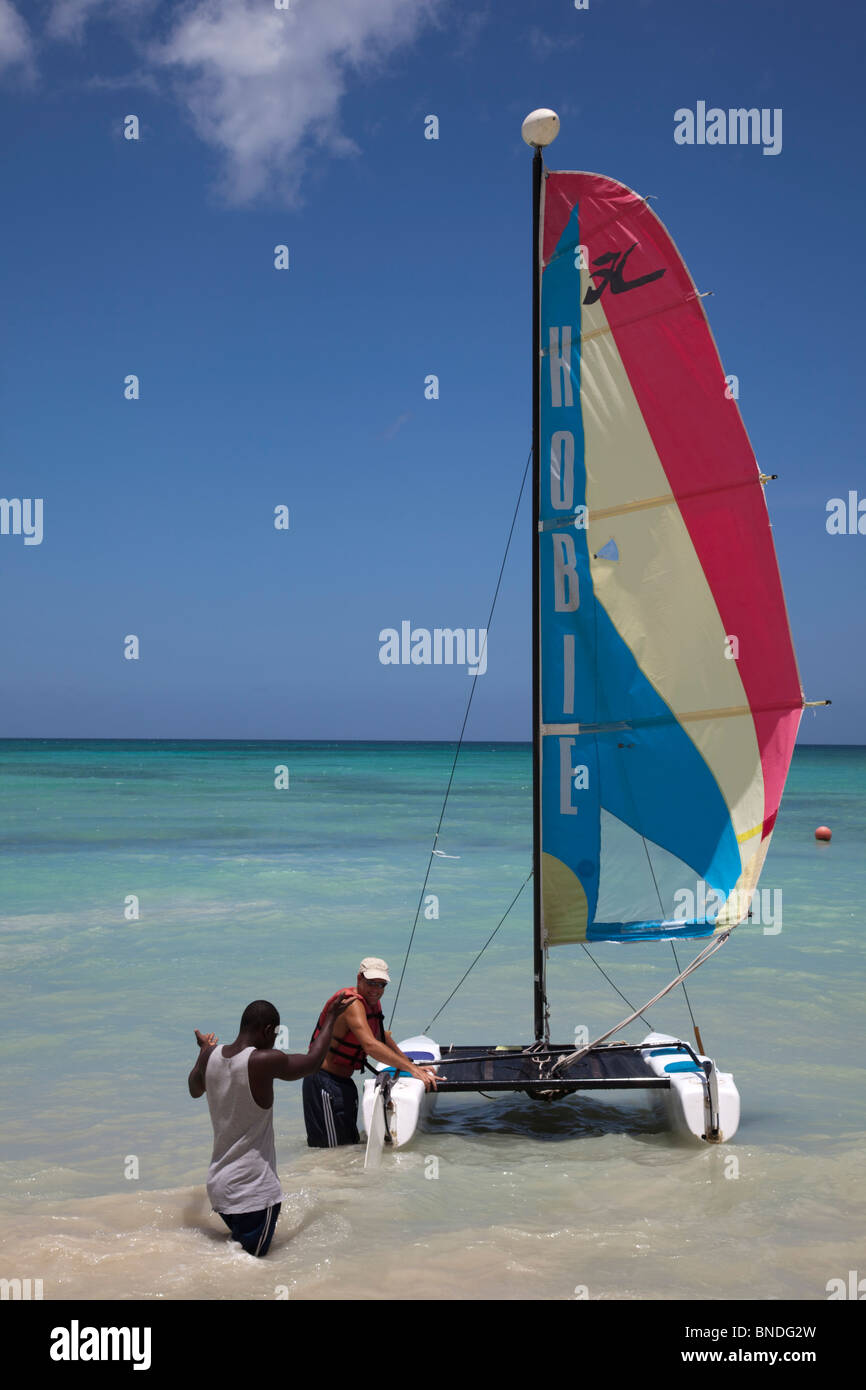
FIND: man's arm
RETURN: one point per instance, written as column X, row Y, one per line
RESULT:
column 195, row 1081
column 427, row 1074
column 406, row 1061
column 282, row 1066
column 387, row 1051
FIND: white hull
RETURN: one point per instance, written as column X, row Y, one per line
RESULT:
column 686, row 1102
column 409, row 1103
column 689, row 1105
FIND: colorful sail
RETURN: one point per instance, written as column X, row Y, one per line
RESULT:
column 670, row 697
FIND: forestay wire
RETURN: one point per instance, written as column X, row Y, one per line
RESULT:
column 481, row 952
column 616, row 988
column 457, row 754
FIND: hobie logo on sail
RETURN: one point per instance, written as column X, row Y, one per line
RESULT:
column 444, row 646
column 609, row 268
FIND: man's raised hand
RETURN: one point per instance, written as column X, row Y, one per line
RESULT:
column 340, row 1005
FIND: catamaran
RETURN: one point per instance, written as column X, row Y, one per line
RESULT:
column 666, row 696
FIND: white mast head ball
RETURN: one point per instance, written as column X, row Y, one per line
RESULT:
column 540, row 128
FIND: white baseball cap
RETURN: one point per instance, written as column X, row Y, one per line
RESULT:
column 372, row 968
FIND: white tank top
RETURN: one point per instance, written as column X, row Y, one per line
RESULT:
column 243, row 1169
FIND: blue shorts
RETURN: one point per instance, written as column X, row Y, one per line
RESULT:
column 254, row 1229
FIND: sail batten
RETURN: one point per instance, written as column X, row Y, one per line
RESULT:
column 670, row 697
column 683, row 716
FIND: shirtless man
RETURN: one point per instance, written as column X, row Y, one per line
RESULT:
column 330, row 1097
column 242, row 1181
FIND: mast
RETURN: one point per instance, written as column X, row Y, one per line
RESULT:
column 539, row 128
column 537, row 947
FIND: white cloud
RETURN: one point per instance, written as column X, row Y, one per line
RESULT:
column 467, row 26
column 396, row 425
column 544, row 45
column 125, row 82
column 68, row 18
column 263, row 86
column 16, row 45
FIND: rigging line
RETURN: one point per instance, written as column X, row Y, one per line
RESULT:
column 616, row 987
column 624, row 777
column 626, row 783
column 483, row 949
column 699, row 959
column 697, row 1032
column 685, row 991
column 460, row 740
column 649, row 860
column 598, row 765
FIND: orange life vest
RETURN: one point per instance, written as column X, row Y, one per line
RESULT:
column 347, row 1054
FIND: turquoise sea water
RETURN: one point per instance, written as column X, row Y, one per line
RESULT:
column 245, row 891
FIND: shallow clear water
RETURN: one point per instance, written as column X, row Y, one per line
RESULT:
column 246, row 892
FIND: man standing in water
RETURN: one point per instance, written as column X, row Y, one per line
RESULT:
column 242, row 1181
column 330, row 1097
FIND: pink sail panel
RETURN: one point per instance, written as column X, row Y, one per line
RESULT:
column 666, row 347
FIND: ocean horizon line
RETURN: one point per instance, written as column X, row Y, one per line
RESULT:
column 313, row 742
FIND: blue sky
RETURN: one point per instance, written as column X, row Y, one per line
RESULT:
column 407, row 257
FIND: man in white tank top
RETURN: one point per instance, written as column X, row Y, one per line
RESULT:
column 242, row 1181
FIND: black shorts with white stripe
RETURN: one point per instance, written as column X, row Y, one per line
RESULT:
column 330, row 1110
column 254, row 1229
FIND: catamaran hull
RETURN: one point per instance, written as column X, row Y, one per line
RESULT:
column 662, row 1073
column 686, row 1105
column 691, row 1107
column 408, row 1103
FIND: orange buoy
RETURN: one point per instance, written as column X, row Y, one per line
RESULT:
column 823, row 833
